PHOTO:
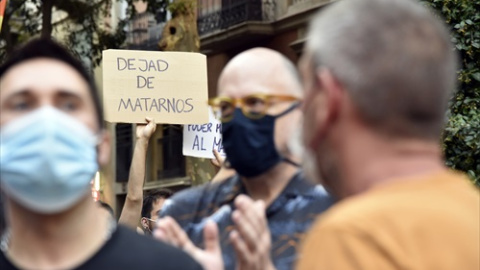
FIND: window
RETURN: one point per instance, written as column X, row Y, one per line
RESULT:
column 168, row 157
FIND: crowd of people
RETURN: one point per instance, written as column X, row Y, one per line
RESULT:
column 334, row 165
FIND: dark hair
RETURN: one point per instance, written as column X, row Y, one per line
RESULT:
column 47, row 48
column 151, row 197
column 106, row 206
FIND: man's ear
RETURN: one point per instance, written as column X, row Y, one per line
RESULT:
column 104, row 148
column 331, row 102
column 144, row 222
column 333, row 93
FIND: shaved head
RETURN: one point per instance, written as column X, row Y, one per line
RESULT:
column 265, row 71
column 259, row 70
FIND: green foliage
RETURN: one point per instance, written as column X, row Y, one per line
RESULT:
column 86, row 28
column 87, row 31
column 462, row 134
column 82, row 25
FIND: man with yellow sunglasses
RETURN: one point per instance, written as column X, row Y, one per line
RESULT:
column 255, row 219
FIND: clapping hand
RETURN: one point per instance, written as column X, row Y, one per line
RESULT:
column 251, row 237
column 210, row 258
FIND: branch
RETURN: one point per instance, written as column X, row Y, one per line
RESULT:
column 47, row 18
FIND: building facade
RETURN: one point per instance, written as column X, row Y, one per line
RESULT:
column 226, row 28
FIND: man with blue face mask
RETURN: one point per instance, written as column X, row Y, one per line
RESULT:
column 51, row 144
column 263, row 211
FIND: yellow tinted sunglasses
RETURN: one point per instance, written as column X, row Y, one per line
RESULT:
column 253, row 106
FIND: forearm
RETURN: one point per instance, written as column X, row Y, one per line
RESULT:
column 223, row 174
column 136, row 176
column 133, row 203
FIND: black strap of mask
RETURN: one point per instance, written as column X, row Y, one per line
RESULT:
column 293, row 107
column 291, row 162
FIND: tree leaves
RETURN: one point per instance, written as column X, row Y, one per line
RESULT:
column 461, row 139
column 84, row 25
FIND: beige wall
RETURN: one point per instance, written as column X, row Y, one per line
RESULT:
column 215, row 64
column 281, row 43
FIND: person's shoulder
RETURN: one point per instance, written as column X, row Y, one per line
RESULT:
column 364, row 210
column 199, row 191
column 5, row 264
column 413, row 198
column 126, row 235
column 191, row 197
column 131, row 249
column 397, row 212
column 344, row 212
column 315, row 193
column 457, row 184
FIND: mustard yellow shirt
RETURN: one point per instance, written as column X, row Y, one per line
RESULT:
column 428, row 223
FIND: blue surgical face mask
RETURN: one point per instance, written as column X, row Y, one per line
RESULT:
column 47, row 160
column 249, row 143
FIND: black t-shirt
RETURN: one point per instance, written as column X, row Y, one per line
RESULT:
column 128, row 250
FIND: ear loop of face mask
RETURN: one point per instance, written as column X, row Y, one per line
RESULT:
column 98, row 139
column 291, row 108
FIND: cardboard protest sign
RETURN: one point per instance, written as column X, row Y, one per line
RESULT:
column 171, row 87
column 200, row 140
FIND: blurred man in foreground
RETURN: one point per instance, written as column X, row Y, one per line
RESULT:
column 52, row 143
column 262, row 212
column 377, row 76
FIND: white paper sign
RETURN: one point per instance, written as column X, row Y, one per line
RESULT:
column 200, row 140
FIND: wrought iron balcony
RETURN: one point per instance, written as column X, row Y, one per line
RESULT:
column 234, row 12
column 147, row 45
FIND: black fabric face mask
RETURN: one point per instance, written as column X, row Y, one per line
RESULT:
column 249, row 143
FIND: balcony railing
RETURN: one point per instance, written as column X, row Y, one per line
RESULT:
column 147, row 45
column 234, row 12
column 294, row 2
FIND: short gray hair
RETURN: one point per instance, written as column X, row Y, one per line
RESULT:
column 394, row 58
